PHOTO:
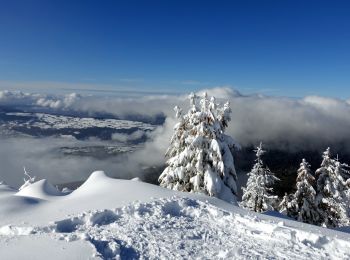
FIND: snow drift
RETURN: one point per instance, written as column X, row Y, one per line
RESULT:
column 117, row 219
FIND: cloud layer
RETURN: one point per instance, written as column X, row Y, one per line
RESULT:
column 311, row 122
column 42, row 158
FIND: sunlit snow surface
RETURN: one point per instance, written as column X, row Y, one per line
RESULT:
column 113, row 219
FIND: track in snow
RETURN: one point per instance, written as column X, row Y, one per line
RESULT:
column 186, row 228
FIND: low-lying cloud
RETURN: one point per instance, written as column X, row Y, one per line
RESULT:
column 138, row 134
column 42, row 158
column 292, row 124
column 288, row 123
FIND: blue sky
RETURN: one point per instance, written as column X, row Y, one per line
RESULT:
column 284, row 48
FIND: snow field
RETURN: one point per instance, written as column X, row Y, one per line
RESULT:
column 176, row 228
column 118, row 219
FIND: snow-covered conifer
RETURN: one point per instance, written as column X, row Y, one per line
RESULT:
column 303, row 205
column 27, row 179
column 200, row 155
column 331, row 192
column 257, row 196
column 284, row 205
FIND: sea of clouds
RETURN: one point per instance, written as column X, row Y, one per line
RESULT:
column 293, row 124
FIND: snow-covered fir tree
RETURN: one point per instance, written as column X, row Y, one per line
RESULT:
column 284, row 206
column 303, row 206
column 200, row 155
column 27, row 179
column 258, row 195
column 331, row 192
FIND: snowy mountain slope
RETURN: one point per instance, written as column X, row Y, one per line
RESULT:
column 108, row 218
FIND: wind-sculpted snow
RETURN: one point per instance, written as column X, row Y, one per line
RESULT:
column 41, row 189
column 118, row 219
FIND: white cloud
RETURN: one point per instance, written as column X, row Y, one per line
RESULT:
column 286, row 122
column 128, row 137
column 58, row 103
column 312, row 122
column 43, row 159
column 17, row 98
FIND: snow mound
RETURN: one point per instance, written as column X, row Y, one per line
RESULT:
column 41, row 189
column 96, row 175
column 94, row 182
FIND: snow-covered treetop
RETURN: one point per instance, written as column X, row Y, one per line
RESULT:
column 326, row 157
column 192, row 98
column 204, row 102
column 259, row 152
column 178, row 111
column 331, row 165
column 304, row 172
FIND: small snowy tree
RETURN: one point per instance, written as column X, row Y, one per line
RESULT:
column 286, row 206
column 200, row 154
column 257, row 196
column 27, row 179
column 303, row 205
column 331, row 192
